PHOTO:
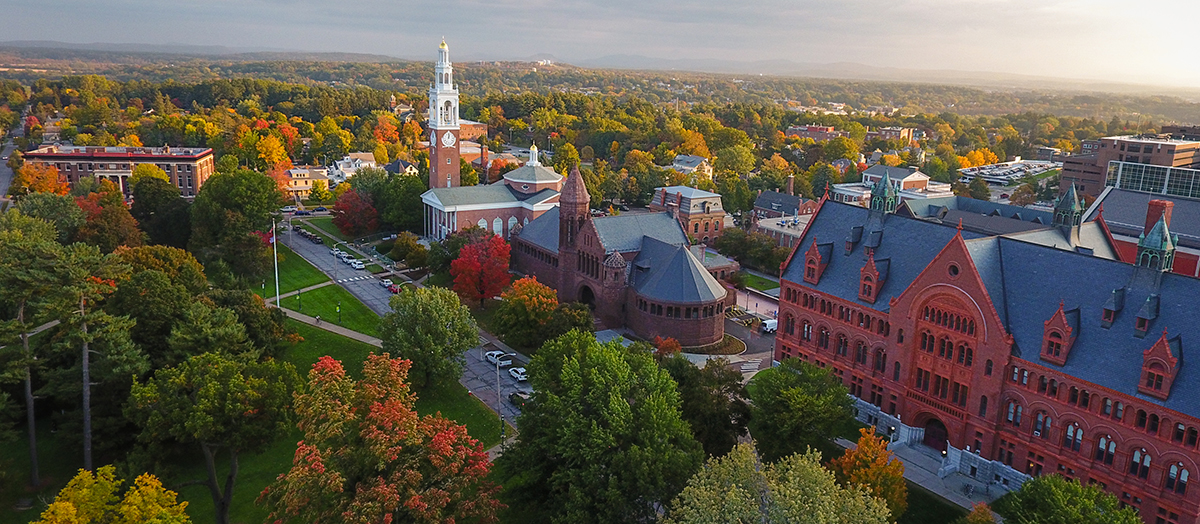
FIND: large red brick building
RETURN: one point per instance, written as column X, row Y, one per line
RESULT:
column 1018, row 354
column 635, row 269
column 187, row 167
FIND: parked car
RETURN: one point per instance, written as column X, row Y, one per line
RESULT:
column 357, row 264
column 387, row 282
column 394, row 288
column 769, row 326
column 320, row 209
column 316, row 239
column 519, row 374
column 499, row 358
column 301, row 212
column 288, row 209
column 335, row 252
column 519, row 399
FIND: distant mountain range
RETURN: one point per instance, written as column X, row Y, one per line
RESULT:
column 838, row 70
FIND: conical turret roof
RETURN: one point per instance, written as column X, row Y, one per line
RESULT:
column 1069, row 201
column 1158, row 238
column 573, row 191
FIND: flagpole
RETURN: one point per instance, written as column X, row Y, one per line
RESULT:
column 275, row 253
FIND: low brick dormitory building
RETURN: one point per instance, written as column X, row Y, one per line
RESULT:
column 188, row 167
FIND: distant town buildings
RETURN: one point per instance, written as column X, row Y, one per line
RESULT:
column 302, row 178
column 909, row 183
column 693, row 165
column 891, row 133
column 402, row 167
column 187, row 167
column 1154, row 163
column 815, row 132
column 343, row 169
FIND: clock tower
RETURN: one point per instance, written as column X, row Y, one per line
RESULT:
column 443, row 124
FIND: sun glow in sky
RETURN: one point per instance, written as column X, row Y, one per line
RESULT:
column 1147, row 42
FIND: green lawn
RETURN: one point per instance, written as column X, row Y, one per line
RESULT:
column 294, row 273
column 323, row 302
column 375, row 269
column 326, row 225
column 926, row 508
column 440, row 280
column 759, row 283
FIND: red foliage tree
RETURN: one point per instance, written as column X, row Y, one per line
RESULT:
column 109, row 224
column 386, row 132
column 481, row 270
column 367, row 456
column 665, row 347
column 354, row 214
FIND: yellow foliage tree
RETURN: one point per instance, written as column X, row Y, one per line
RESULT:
column 38, row 178
column 92, row 499
column 272, row 153
column 130, row 140
column 144, row 171
column 872, row 466
column 890, row 160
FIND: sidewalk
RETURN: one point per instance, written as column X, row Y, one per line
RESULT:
column 921, row 467
column 333, row 328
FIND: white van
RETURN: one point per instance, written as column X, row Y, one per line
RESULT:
column 769, row 326
column 357, row 264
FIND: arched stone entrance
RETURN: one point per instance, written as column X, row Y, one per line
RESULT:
column 587, row 296
column 935, row 434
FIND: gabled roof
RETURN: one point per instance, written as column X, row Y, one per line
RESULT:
column 688, row 161
column 532, row 174
column 909, row 244
column 781, row 202
column 624, row 232
column 669, row 272
column 498, row 193
column 542, row 231
column 687, row 192
column 1125, row 214
column 893, row 172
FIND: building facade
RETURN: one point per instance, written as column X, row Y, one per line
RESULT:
column 700, row 212
column 187, row 167
column 521, row 196
column 1130, row 214
column 1017, row 357
column 635, row 270
column 815, row 132
column 909, row 183
column 302, row 178
column 1139, row 160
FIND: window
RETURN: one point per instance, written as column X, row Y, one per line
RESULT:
column 1073, row 396
column 983, row 406
column 896, row 371
column 860, row 353
column 1024, row 377
column 806, row 332
column 842, row 344
column 1154, row 380
column 1140, row 463
column 1041, row 425
column 1191, row 438
column 1140, row 422
column 1073, row 437
column 1177, row 478
column 1106, row 449
column 1152, row 428
column 987, row 368
column 1054, row 344
column 1119, row 412
column 1014, row 414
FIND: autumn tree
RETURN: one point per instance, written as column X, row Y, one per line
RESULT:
column 368, row 457
column 228, row 215
column 714, row 401
column 354, row 214
column 146, row 171
column 524, row 311
column 320, row 191
column 665, row 347
column 1052, row 499
column 602, row 439
column 481, row 270
column 92, row 498
column 566, row 158
column 980, row 514
column 223, row 404
column 430, row 328
column 795, row 405
column 38, row 178
column 738, row 487
column 870, row 465
column 1024, row 195
column 108, row 223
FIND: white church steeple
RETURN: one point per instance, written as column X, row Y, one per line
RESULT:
column 444, row 153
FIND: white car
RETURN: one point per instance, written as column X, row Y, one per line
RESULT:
column 519, row 374
column 288, row 209
column 498, row 358
column 385, row 282
column 335, row 252
column 357, row 264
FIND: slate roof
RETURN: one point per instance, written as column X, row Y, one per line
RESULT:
column 1035, row 279
column 498, row 193
column 687, row 192
column 397, row 166
column 909, row 244
column 542, row 231
column 688, row 161
column 669, row 272
column 624, row 232
column 896, row 173
column 1125, row 214
column 781, row 202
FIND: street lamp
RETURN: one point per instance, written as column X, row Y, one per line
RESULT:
column 498, row 359
column 339, row 312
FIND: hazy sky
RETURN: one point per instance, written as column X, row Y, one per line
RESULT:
column 1150, row 41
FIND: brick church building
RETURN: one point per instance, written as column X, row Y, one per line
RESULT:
column 1017, row 354
column 635, row 269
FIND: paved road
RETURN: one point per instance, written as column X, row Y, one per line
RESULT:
column 479, row 377
column 360, row 283
column 6, row 174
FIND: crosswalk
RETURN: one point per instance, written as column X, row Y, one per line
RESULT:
column 354, row 279
column 750, row 366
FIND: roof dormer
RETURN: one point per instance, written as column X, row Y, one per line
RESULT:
column 815, row 260
column 871, row 277
column 1113, row 306
column 1146, row 316
column 1059, row 334
column 1160, row 364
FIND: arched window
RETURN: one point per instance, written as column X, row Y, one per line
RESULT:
column 1140, row 421
column 1014, row 414
column 806, row 332
column 1191, row 438
column 1106, row 449
column 880, row 360
column 1073, row 397
column 810, row 269
column 970, row 356
column 896, row 371
column 987, row 368
column 512, row 224
column 1119, row 412
column 842, row 344
column 1041, row 425
column 1152, row 428
column 1177, row 478
column 1054, row 344
column 1140, row 463
column 823, row 339
column 1073, row 438
column 1106, row 407
column 868, row 287
column 983, row 406
column 498, row 227
column 1053, row 391
column 1177, row 436
column 860, row 353
column 1042, row 384
column 789, row 325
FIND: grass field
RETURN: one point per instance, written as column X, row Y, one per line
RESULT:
column 440, row 280
column 926, row 508
column 326, row 225
column 60, row 460
column 759, row 283
column 294, row 273
column 323, row 302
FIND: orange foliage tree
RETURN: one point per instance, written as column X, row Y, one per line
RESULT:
column 665, row 347
column 367, row 456
column 38, row 178
column 481, row 270
column 874, row 467
column 524, row 311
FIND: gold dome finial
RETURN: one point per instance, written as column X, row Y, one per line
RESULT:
column 443, row 46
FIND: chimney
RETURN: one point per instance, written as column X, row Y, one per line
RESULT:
column 1158, row 209
column 675, row 205
column 483, row 162
column 791, row 185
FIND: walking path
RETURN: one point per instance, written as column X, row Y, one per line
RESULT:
column 298, row 291
column 333, row 328
column 921, row 465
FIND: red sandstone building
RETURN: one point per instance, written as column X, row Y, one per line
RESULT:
column 188, row 168
column 1018, row 354
column 635, row 269
column 700, row 212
